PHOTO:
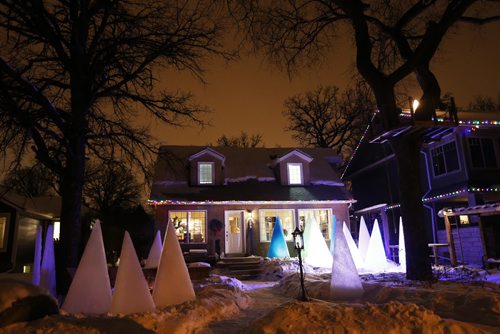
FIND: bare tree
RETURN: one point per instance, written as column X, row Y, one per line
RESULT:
column 392, row 41
column 243, row 140
column 109, row 186
column 484, row 104
column 74, row 76
column 327, row 118
column 31, row 181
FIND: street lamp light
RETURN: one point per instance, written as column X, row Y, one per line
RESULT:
column 298, row 242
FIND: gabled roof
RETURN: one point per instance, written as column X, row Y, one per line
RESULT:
column 248, row 175
column 209, row 151
column 297, row 153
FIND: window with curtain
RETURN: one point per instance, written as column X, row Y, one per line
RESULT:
column 267, row 219
column 206, row 173
column 295, row 173
column 190, row 226
column 322, row 217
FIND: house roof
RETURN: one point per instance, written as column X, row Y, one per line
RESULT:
column 248, row 175
column 42, row 207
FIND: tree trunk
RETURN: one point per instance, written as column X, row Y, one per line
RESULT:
column 431, row 98
column 73, row 176
column 407, row 151
column 71, row 228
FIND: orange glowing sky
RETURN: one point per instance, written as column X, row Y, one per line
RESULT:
column 248, row 94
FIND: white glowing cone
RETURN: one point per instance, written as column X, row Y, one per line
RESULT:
column 376, row 259
column 356, row 257
column 172, row 284
column 402, row 247
column 48, row 268
column 90, row 290
column 317, row 251
column 345, row 282
column 154, row 253
column 364, row 239
column 131, row 293
column 35, row 278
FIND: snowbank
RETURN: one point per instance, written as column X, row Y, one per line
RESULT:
column 462, row 293
column 323, row 317
column 218, row 298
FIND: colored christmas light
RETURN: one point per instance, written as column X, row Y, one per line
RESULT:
column 452, row 194
column 176, row 202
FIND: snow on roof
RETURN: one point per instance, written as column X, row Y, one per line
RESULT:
column 248, row 175
column 245, row 162
column 43, row 207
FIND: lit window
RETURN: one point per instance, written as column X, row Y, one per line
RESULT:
column 464, row 220
column 190, row 226
column 268, row 220
column 206, row 173
column 294, row 173
column 322, row 217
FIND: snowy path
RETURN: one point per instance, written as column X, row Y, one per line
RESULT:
column 265, row 298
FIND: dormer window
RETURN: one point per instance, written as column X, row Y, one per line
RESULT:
column 206, row 173
column 295, row 174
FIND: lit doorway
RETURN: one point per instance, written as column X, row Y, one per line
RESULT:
column 234, row 232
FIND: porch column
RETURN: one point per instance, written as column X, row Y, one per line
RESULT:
column 451, row 242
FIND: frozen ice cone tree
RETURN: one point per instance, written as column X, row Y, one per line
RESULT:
column 90, row 290
column 172, row 284
column 364, row 239
column 317, row 251
column 37, row 259
column 48, row 267
column 154, row 253
column 278, row 247
column 376, row 260
column 131, row 292
column 356, row 257
column 345, row 283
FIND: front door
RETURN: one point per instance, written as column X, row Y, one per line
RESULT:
column 234, row 232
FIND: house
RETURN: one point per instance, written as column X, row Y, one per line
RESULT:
column 225, row 200
column 460, row 167
column 19, row 218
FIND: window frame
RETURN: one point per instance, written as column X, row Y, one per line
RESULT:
column 483, row 155
column 301, row 173
column 188, row 240
column 443, row 154
column 329, row 213
column 212, row 167
column 262, row 222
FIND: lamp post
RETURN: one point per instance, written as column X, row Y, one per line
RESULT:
column 298, row 241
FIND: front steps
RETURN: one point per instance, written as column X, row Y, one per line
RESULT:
column 241, row 267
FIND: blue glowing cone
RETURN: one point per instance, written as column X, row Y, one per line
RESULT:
column 278, row 247
column 332, row 235
column 48, row 266
column 38, row 256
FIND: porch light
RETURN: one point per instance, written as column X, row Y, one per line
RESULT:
column 415, row 104
column 298, row 242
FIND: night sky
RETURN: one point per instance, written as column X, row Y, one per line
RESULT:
column 248, row 94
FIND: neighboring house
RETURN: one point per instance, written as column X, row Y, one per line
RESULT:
column 19, row 218
column 225, row 200
column 460, row 168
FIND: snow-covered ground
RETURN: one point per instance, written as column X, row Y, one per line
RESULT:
column 461, row 300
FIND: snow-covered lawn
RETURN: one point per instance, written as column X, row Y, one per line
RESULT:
column 463, row 300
